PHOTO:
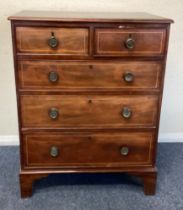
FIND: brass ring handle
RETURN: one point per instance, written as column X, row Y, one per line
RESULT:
column 124, row 151
column 53, row 42
column 54, row 151
column 126, row 112
column 129, row 43
column 53, row 76
column 53, row 113
column 128, row 77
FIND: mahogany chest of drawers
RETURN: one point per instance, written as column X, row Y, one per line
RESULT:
column 89, row 89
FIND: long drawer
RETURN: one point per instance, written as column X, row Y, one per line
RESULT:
column 44, row 40
column 88, row 149
column 130, row 42
column 68, row 111
column 91, row 75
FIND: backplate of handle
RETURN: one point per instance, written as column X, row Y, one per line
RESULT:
column 128, row 77
column 124, row 150
column 53, row 76
column 53, row 42
column 129, row 43
column 53, row 113
column 126, row 112
column 54, row 151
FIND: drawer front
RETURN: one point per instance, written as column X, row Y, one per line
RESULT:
column 67, row 111
column 83, row 75
column 85, row 149
column 63, row 41
column 130, row 42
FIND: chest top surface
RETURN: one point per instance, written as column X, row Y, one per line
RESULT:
column 140, row 17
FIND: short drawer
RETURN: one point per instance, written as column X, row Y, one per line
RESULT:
column 130, row 42
column 69, row 111
column 88, row 149
column 63, row 41
column 89, row 75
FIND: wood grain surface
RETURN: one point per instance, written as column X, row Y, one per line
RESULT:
column 88, row 111
column 90, row 74
column 88, row 149
column 148, row 42
column 35, row 40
